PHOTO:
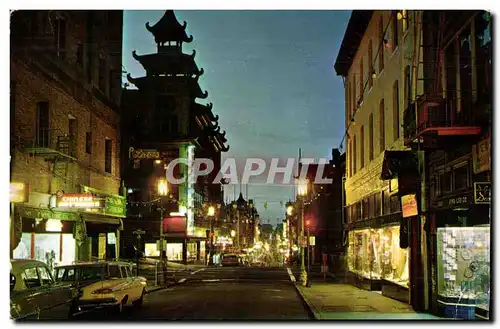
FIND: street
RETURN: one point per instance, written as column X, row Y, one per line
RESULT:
column 220, row 293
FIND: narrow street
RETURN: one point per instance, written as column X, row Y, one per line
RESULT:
column 220, row 293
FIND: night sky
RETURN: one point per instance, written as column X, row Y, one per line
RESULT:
column 270, row 77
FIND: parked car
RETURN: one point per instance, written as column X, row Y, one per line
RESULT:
column 230, row 260
column 104, row 284
column 35, row 295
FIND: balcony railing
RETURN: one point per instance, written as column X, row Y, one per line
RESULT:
column 439, row 116
column 49, row 141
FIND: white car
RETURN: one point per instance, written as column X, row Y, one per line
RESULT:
column 104, row 284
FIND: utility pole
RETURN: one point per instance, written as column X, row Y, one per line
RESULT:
column 139, row 233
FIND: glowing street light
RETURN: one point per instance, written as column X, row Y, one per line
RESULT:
column 211, row 211
column 289, row 210
column 162, row 187
column 302, row 188
column 233, row 233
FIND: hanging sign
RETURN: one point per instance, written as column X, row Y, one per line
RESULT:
column 143, row 154
column 312, row 240
column 409, row 205
column 78, row 200
column 482, row 192
column 481, row 156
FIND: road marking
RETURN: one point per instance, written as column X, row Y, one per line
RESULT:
column 182, row 280
column 211, row 280
column 202, row 269
column 292, row 277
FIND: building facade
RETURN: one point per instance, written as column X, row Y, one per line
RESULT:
column 164, row 123
column 66, row 196
column 431, row 179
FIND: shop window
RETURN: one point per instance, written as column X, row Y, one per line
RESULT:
column 463, row 265
column 461, row 178
column 395, row 263
column 30, row 277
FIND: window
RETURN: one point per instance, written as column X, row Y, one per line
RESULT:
column 353, row 93
column 445, row 182
column 382, row 37
column 114, row 272
column 407, row 90
column 79, row 54
column 87, row 273
column 465, row 71
column 382, row 125
column 42, row 124
column 354, row 167
column 461, row 175
column 483, row 51
column 394, row 23
column 102, row 75
column 60, row 37
column 88, row 142
column 370, row 64
column 30, row 277
column 108, row 150
column 362, row 148
column 361, row 78
column 44, row 276
column 370, row 137
column 350, row 158
column 395, row 106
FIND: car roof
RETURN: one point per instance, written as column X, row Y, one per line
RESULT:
column 26, row 262
column 94, row 264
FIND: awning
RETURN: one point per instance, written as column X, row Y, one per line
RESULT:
column 399, row 163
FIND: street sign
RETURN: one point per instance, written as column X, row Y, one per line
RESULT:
column 312, row 240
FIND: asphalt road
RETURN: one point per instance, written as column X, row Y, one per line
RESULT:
column 221, row 293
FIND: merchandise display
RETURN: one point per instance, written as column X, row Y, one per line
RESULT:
column 375, row 254
column 464, row 264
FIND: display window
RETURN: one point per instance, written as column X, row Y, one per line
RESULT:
column 174, row 251
column 375, row 254
column 464, row 264
column 395, row 260
column 51, row 248
column 151, row 250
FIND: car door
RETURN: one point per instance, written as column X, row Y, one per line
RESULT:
column 59, row 295
column 35, row 295
column 20, row 299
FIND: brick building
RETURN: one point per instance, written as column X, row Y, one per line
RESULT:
column 65, row 138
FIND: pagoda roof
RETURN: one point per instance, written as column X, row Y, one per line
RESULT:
column 168, row 28
column 171, row 61
column 200, row 109
column 159, row 82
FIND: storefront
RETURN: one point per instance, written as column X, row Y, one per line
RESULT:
column 67, row 227
column 375, row 256
column 462, row 256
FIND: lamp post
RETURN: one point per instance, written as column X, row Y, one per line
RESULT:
column 162, row 191
column 302, row 192
column 211, row 214
column 289, row 212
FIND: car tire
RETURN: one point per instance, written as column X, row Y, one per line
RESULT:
column 138, row 303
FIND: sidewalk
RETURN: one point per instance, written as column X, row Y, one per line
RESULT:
column 346, row 302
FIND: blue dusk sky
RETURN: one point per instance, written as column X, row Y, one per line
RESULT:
column 270, row 77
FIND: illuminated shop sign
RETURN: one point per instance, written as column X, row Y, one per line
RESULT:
column 143, row 154
column 409, row 205
column 18, row 192
column 53, row 225
column 76, row 200
column 482, row 193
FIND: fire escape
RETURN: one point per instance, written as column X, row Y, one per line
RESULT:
column 437, row 114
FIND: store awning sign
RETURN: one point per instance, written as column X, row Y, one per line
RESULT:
column 482, row 192
column 18, row 192
column 79, row 200
column 409, row 205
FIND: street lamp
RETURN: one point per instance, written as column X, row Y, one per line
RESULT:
column 233, row 233
column 302, row 192
column 211, row 211
column 162, row 191
column 289, row 210
column 211, row 214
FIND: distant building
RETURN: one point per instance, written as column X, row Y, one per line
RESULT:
column 65, row 71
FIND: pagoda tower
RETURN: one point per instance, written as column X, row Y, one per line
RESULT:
column 163, row 117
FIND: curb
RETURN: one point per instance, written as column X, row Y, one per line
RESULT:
column 156, row 288
column 311, row 309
